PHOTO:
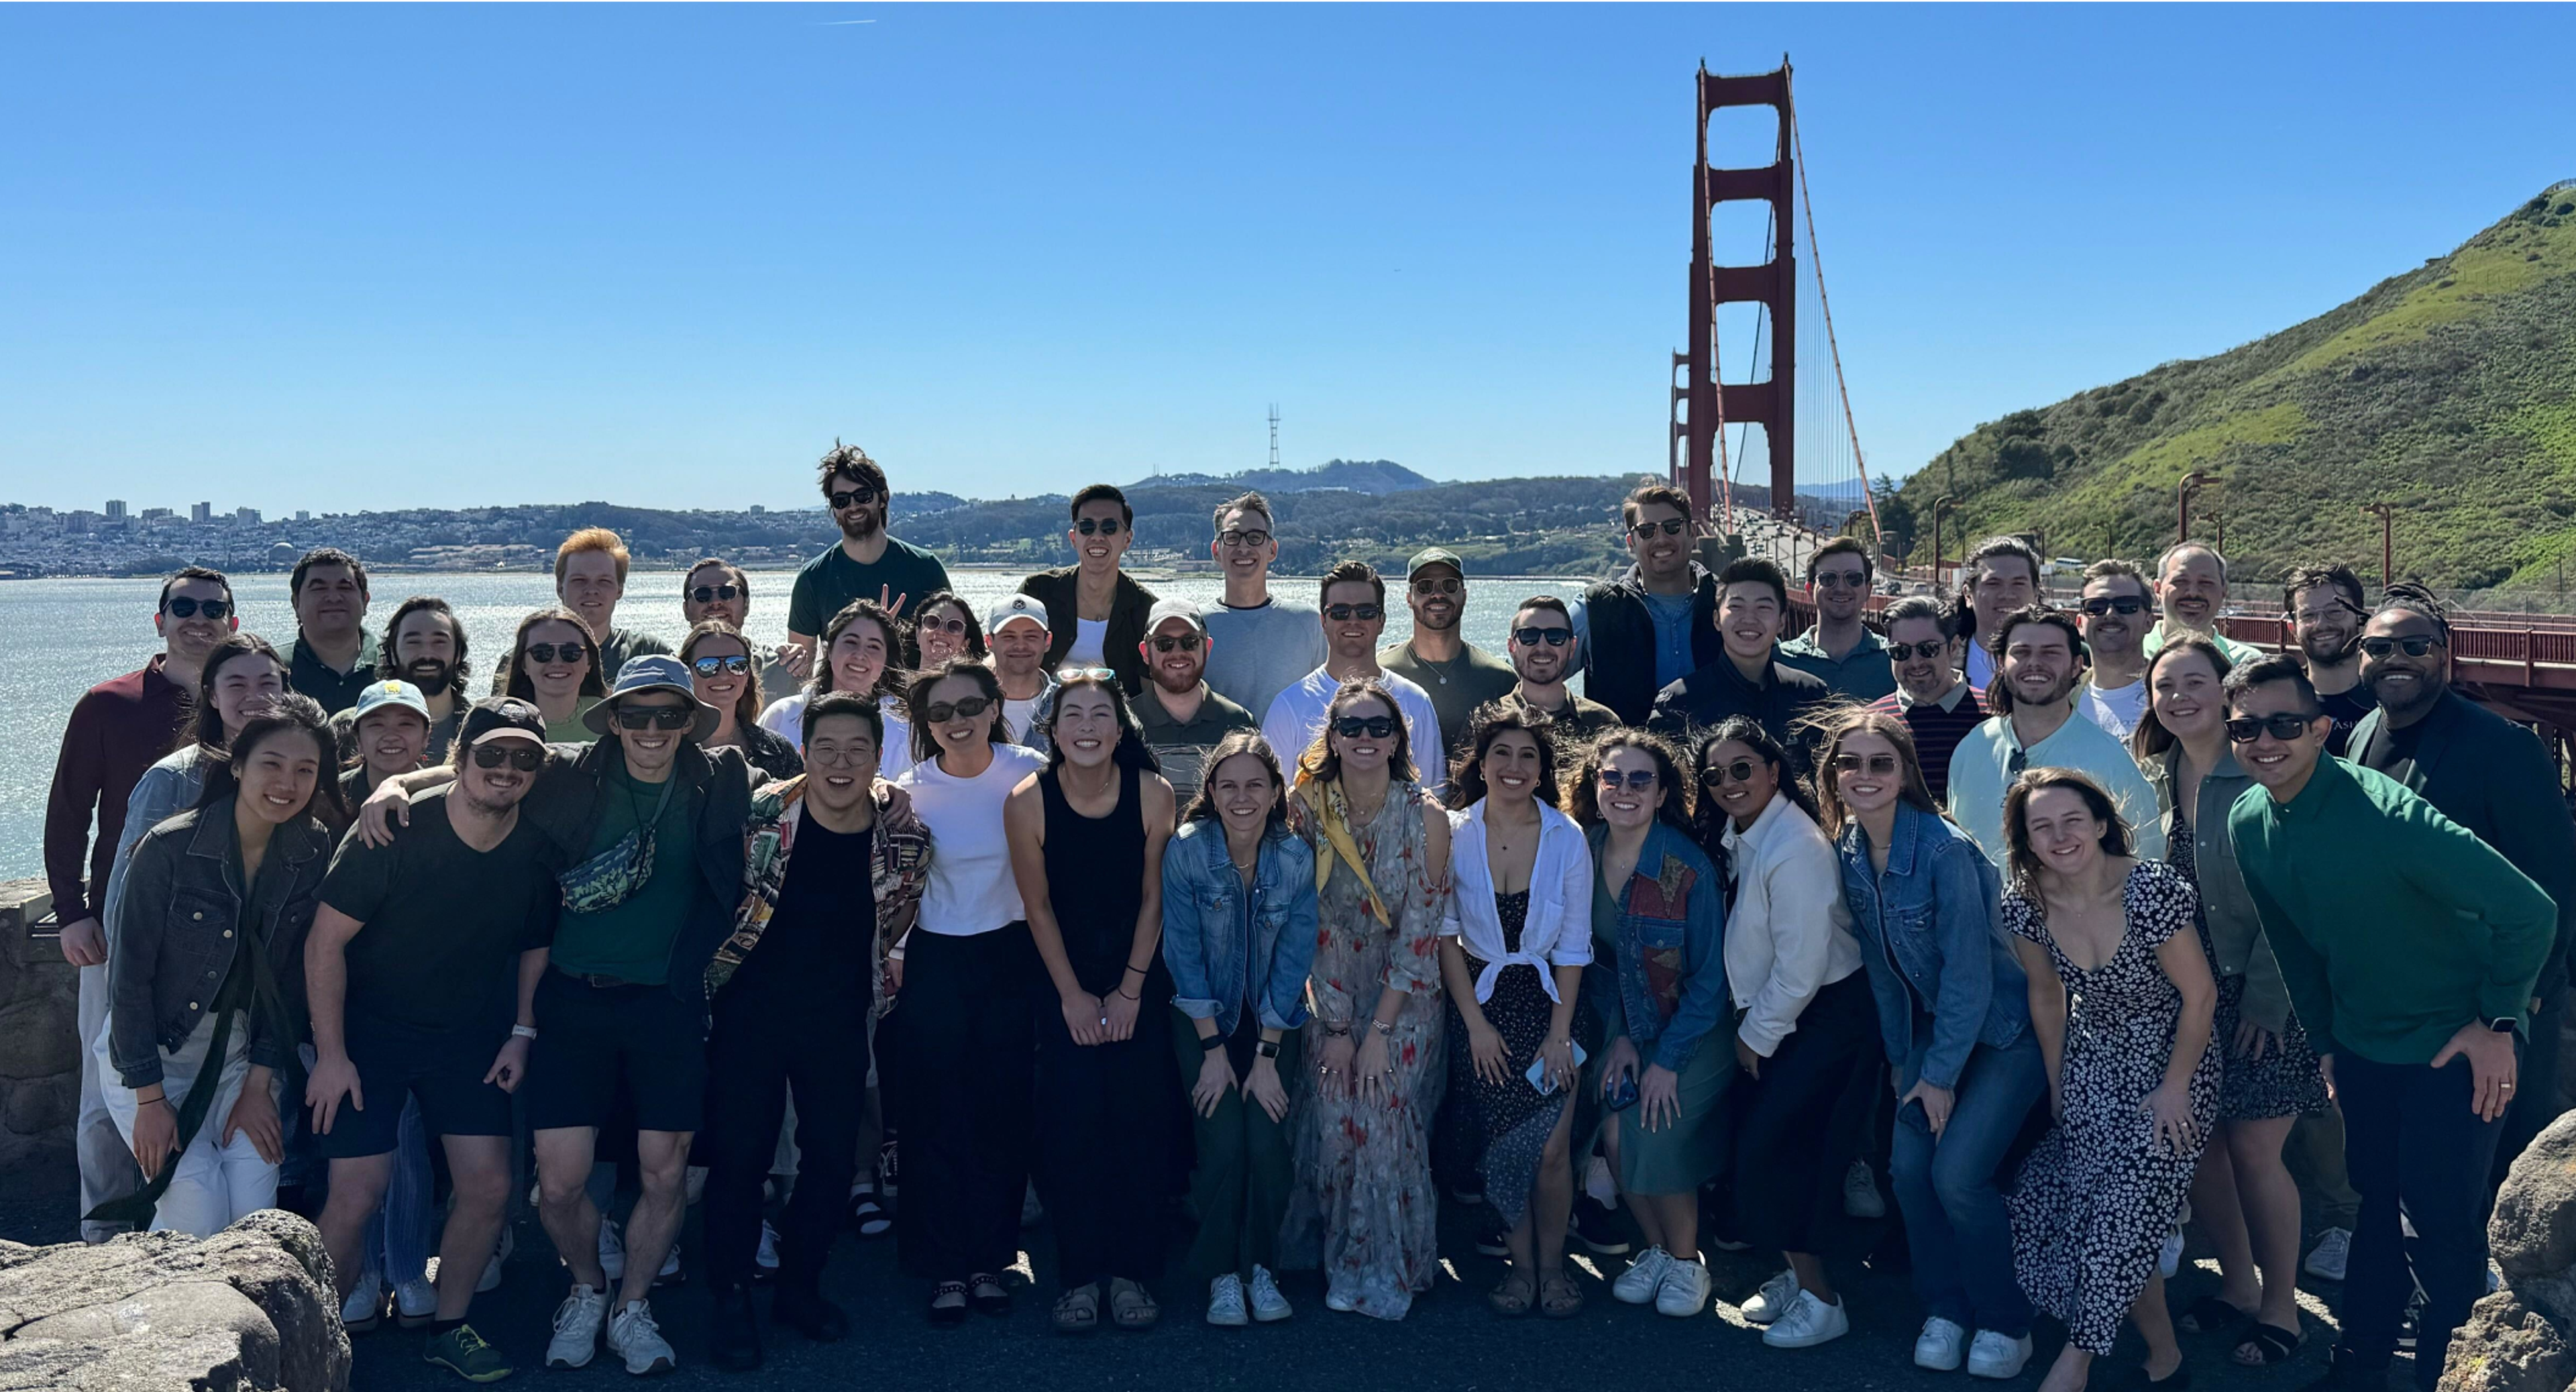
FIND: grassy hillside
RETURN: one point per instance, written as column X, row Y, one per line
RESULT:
column 2449, row 391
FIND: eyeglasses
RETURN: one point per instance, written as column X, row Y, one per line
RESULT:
column 1672, row 527
column 1234, row 537
column 1440, row 585
column 954, row 627
column 655, row 717
column 2311, row 616
column 182, row 607
column 708, row 594
column 1840, row 580
column 1104, row 526
column 2124, row 604
column 524, row 757
column 1741, row 771
column 544, row 653
column 2286, row 726
column 1176, row 642
column 854, row 497
column 1344, row 613
column 1373, row 726
column 1907, row 652
column 941, row 712
column 1533, row 636
column 2376, row 648
column 1638, row 779
column 840, row 755
column 715, row 666
column 1883, row 765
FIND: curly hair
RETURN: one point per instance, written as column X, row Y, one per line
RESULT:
column 1583, row 785
column 1490, row 722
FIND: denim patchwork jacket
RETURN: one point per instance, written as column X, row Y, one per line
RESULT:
column 1663, row 983
column 1931, row 930
column 1215, row 969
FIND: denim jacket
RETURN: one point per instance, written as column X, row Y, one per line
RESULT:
column 186, row 912
column 2226, row 905
column 1931, row 929
column 1663, row 986
column 1202, row 935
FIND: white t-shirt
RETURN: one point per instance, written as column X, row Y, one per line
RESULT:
column 971, row 890
column 1089, row 638
column 2117, row 709
column 1981, row 665
column 1297, row 716
column 785, row 718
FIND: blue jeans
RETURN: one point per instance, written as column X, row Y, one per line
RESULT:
column 1949, row 1194
column 399, row 1242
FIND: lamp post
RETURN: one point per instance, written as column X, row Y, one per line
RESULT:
column 2183, row 495
column 1941, row 509
column 2387, row 544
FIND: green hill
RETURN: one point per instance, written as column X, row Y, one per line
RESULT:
column 2449, row 391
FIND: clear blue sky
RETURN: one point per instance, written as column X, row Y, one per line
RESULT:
column 323, row 257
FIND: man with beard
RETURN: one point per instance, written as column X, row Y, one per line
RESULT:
column 1181, row 716
column 1840, row 649
column 1748, row 678
column 716, row 590
column 421, row 974
column 1657, row 623
column 334, row 658
column 1262, row 642
column 1353, row 601
column 2035, row 726
column 425, row 645
column 2489, row 775
column 1543, row 655
column 869, row 562
column 2002, row 579
column 2191, row 588
column 2115, row 604
column 391, row 726
column 2326, row 610
column 1933, row 700
column 1459, row 675
column 1095, row 610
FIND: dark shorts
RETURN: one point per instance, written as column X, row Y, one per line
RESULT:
column 590, row 1038
column 444, row 1069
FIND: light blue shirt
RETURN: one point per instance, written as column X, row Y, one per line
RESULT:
column 1981, row 771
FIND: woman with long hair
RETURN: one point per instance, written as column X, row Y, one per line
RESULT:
column 726, row 678
column 193, row 1075
column 2121, row 999
column 968, row 975
column 2243, row 1194
column 242, row 677
column 1954, row 1013
column 554, row 666
column 1364, row 1207
column 943, row 629
column 860, row 650
column 1806, row 1031
column 1512, row 954
column 1658, row 979
column 1239, row 925
column 1087, row 838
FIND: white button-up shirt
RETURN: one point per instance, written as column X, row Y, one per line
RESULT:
column 1558, row 931
column 1789, row 935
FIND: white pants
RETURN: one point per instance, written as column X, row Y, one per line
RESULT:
column 107, row 1168
column 215, row 1184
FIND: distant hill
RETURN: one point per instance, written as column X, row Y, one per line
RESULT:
column 2449, row 391
column 1373, row 476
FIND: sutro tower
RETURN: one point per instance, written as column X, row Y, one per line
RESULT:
column 1274, row 435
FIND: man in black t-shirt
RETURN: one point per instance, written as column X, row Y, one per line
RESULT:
column 2326, row 613
column 423, row 954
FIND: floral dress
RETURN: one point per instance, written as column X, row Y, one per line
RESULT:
column 2098, row 1195
column 1364, row 1208
column 2288, row 1080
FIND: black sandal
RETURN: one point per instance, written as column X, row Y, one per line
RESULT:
column 868, row 1215
column 988, row 1293
column 2210, row 1315
column 2271, row 1345
column 943, row 1313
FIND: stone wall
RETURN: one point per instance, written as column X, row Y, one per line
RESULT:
column 39, row 1043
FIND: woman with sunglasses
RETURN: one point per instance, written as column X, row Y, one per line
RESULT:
column 943, row 629
column 970, row 981
column 2242, row 1194
column 1364, row 1207
column 1954, row 1015
column 241, row 677
column 554, row 666
column 722, row 671
column 1806, row 1032
column 861, row 651
column 1658, row 980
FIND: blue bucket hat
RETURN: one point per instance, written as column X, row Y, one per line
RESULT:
column 652, row 672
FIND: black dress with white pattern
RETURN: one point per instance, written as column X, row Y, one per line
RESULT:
column 2097, row 1197
column 2288, row 1079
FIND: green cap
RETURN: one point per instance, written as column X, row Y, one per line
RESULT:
column 1432, row 556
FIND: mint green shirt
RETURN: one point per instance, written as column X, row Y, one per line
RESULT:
column 1982, row 770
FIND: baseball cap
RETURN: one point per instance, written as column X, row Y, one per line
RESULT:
column 1432, row 556
column 501, row 715
column 1176, row 608
column 379, row 695
column 1009, row 607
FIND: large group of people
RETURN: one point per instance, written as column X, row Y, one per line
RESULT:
column 1224, row 929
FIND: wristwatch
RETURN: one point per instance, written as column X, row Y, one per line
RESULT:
column 1268, row 1048
column 523, row 1031
column 2502, row 1024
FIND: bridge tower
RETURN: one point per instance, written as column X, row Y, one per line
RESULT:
column 1772, row 284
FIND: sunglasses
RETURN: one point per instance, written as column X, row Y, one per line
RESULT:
column 1907, row 652
column 952, row 627
column 1102, row 526
column 1373, row 726
column 1240, row 538
column 1637, row 779
column 525, row 758
column 708, row 594
column 1741, row 771
column 182, row 607
column 1343, row 613
column 1839, row 580
column 1176, row 642
column 2286, row 726
column 1074, row 674
column 655, row 717
column 2124, row 604
column 1440, row 586
column 1883, row 765
column 715, row 666
column 854, row 497
column 1672, row 527
column 2370, row 647
column 1552, row 637
column 941, row 712
column 543, row 653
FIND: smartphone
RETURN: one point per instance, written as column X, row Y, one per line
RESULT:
column 1537, row 1073
column 1623, row 1093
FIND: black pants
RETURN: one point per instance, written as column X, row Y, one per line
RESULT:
column 969, row 1055
column 1798, row 1126
column 760, row 1047
column 1105, row 1138
column 2410, row 1139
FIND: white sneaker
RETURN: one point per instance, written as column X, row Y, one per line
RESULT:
column 1807, row 1322
column 612, row 1249
column 1941, row 1345
column 1684, row 1290
column 633, row 1336
column 1340, row 1302
column 1861, row 1198
column 764, row 1260
column 1268, row 1305
column 670, row 1272
column 577, row 1322
column 1636, row 1285
column 2333, row 1252
column 1225, row 1302
column 365, row 1306
column 1772, row 1301
column 1994, row 1356
column 415, row 1303
column 492, row 1269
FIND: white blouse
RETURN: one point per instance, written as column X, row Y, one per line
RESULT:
column 971, row 890
column 1558, row 931
column 1790, row 934
column 785, row 718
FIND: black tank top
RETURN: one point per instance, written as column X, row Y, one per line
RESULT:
column 1095, row 869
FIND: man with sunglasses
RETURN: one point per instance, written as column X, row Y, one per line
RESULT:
column 1263, row 642
column 2411, row 949
column 2038, row 659
column 1459, row 675
column 1543, row 650
column 1933, row 700
column 1095, row 611
column 2327, row 608
column 421, row 974
column 1181, row 716
column 1353, row 601
column 1839, row 648
column 2491, row 776
column 1657, row 623
column 2115, row 604
column 869, row 562
column 717, row 590
column 1748, row 678
column 118, row 729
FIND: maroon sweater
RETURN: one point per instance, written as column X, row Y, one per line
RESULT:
column 1937, row 732
column 117, row 731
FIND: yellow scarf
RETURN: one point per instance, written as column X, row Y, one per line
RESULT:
column 1325, row 803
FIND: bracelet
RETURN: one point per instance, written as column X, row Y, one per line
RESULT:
column 1381, row 1026
column 1140, row 971
column 523, row 1031
column 1210, row 1043
column 1122, row 995
column 1268, row 1048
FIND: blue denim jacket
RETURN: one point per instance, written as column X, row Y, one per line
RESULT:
column 1203, row 939
column 1662, row 979
column 1931, row 928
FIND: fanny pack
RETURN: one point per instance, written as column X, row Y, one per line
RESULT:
column 617, row 874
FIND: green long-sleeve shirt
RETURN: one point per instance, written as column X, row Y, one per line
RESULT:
column 2392, row 924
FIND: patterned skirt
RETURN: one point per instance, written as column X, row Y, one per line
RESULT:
column 2287, row 1081
column 1514, row 1117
